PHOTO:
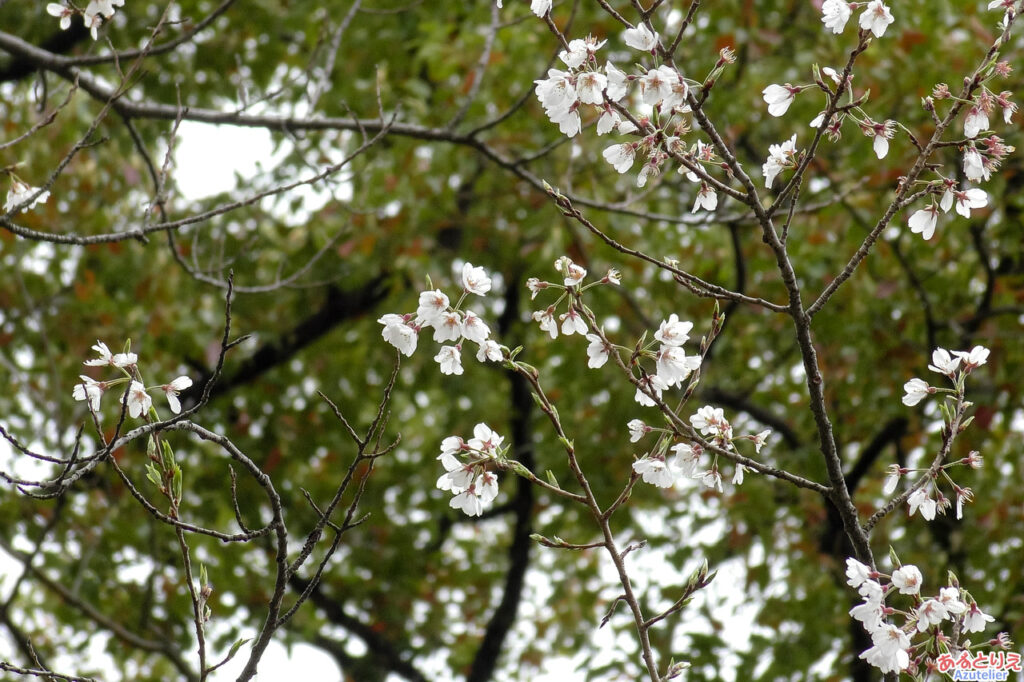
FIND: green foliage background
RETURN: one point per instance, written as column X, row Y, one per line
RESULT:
column 422, row 577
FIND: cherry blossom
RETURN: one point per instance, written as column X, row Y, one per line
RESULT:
column 975, row 620
column 399, row 333
column 780, row 156
column 620, row 156
column 489, row 350
column 114, row 360
column 65, row 13
column 475, row 279
column 172, row 389
column 970, row 199
column 90, row 390
column 139, row 400
column 637, row 430
column 540, row 7
column 916, row 390
column 974, row 358
column 889, row 653
column 835, row 14
column 450, row 360
column 920, row 499
column 976, row 121
column 590, row 87
column 432, row 304
column 707, row 198
column 908, row 579
column 20, row 193
column 687, row 457
column 673, row 332
column 881, row 133
column 974, row 166
column 876, row 18
column 711, row 479
column 618, row 82
column 546, row 318
column 535, row 286
column 943, row 362
column 448, row 326
column 573, row 323
column 653, row 384
column 857, row 573
column 640, row 38
column 760, row 439
column 598, row 351
column 892, row 479
column 674, row 366
column 485, row 440
column 655, row 470
column 923, row 221
column 609, row 119
column 573, row 273
column 779, row 97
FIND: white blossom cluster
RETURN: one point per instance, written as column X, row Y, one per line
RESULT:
column 955, row 366
column 449, row 322
column 94, row 15
column 608, row 91
column 658, row 469
column 893, row 649
column 467, row 469
column 138, row 401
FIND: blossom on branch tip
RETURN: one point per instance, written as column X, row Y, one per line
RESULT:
column 835, row 14
column 475, row 279
column 972, row 359
column 540, row 7
column 172, row 389
column 892, row 479
column 760, row 439
column 943, row 362
column 121, row 360
column 974, row 165
column 674, row 366
column 485, row 440
column 876, row 18
column 640, row 38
